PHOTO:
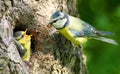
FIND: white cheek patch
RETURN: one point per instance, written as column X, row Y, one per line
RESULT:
column 60, row 23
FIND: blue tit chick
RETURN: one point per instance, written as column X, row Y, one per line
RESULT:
column 23, row 42
column 76, row 30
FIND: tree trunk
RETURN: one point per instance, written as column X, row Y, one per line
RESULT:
column 53, row 54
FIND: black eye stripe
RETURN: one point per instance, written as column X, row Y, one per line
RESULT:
column 57, row 20
column 53, row 22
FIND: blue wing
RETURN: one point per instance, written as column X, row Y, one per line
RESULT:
column 88, row 30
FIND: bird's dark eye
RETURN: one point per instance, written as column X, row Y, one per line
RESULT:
column 22, row 36
column 54, row 21
column 57, row 20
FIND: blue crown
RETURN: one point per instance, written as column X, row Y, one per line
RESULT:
column 56, row 14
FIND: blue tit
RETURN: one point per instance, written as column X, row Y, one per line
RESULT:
column 23, row 42
column 76, row 30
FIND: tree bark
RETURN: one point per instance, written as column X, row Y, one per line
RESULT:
column 10, row 62
column 53, row 54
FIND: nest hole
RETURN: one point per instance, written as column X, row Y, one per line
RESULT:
column 23, row 27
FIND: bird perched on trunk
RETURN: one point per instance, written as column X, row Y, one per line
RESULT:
column 76, row 30
column 23, row 42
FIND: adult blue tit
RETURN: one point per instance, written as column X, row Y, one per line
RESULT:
column 23, row 42
column 76, row 30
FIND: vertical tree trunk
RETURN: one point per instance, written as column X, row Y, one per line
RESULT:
column 53, row 54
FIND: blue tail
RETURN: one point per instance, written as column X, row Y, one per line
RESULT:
column 104, row 33
column 111, row 41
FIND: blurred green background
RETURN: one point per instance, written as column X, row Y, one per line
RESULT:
column 102, row 58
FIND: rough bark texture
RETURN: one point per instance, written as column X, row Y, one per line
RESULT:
column 53, row 54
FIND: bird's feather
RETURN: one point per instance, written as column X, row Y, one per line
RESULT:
column 76, row 30
column 20, row 48
column 82, row 29
column 108, row 40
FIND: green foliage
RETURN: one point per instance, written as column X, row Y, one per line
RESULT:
column 102, row 58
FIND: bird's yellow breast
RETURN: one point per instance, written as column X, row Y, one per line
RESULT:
column 75, row 40
column 26, row 43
